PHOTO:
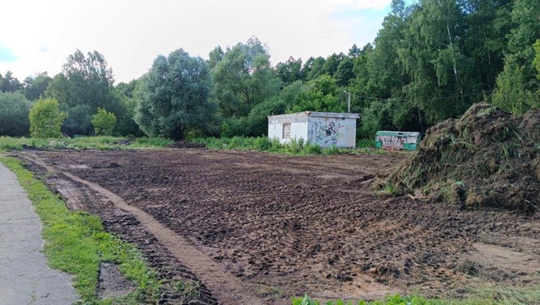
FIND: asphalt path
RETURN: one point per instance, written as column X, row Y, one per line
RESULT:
column 25, row 277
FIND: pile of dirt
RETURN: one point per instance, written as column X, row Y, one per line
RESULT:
column 186, row 144
column 486, row 159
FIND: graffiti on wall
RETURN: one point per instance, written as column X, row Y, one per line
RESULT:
column 395, row 142
column 326, row 133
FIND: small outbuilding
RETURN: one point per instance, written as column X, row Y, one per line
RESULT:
column 325, row 129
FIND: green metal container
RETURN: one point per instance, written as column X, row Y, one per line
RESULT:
column 397, row 140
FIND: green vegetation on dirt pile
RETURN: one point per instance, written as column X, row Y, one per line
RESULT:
column 77, row 244
column 101, row 142
column 488, row 158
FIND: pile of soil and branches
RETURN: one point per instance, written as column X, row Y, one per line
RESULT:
column 186, row 144
column 486, row 159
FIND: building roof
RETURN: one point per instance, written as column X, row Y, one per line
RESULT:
column 316, row 114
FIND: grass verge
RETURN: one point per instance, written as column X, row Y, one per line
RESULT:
column 102, row 143
column 295, row 147
column 76, row 243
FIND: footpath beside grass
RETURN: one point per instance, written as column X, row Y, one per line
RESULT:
column 76, row 243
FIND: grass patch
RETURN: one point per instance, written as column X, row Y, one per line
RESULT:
column 366, row 143
column 76, row 243
column 295, row 147
column 388, row 190
column 98, row 142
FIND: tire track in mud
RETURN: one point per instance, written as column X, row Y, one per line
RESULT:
column 224, row 286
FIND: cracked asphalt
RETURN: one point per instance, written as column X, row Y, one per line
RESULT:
column 25, row 277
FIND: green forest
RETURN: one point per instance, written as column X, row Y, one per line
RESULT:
column 430, row 61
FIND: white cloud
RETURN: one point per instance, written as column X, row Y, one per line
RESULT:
column 131, row 33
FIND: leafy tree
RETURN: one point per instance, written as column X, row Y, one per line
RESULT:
column 320, row 94
column 215, row 56
column 127, row 93
column 85, row 84
column 103, row 122
column 174, row 96
column 46, row 119
column 536, row 61
column 345, row 72
column 128, row 90
column 290, row 71
column 489, row 23
column 78, row 120
column 90, row 79
column 378, row 116
column 431, row 60
column 354, row 51
column 14, row 110
column 512, row 93
column 34, row 87
column 234, row 126
column 331, row 63
column 526, row 30
column 383, row 75
column 244, row 78
column 359, row 84
column 314, row 67
column 434, row 60
column 258, row 117
column 518, row 89
column 291, row 93
column 10, row 83
column 59, row 89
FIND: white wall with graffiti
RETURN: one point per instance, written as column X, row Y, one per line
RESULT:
column 323, row 128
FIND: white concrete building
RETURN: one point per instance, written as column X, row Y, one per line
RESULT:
column 323, row 128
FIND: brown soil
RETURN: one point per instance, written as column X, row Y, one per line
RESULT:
column 111, row 282
column 258, row 228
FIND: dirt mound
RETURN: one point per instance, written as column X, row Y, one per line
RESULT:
column 186, row 144
column 486, row 159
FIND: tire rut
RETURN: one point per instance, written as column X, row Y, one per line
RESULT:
column 224, row 287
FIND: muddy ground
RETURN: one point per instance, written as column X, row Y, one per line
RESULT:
column 257, row 228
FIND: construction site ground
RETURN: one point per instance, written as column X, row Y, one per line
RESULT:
column 259, row 228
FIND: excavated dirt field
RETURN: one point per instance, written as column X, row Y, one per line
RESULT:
column 257, row 228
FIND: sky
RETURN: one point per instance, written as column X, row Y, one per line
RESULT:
column 39, row 35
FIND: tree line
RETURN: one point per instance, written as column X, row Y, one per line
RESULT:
column 430, row 61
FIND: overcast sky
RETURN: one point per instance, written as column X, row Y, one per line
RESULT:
column 39, row 35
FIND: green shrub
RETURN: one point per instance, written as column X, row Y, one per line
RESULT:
column 262, row 143
column 366, row 143
column 311, row 149
column 46, row 119
column 103, row 122
column 332, row 150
